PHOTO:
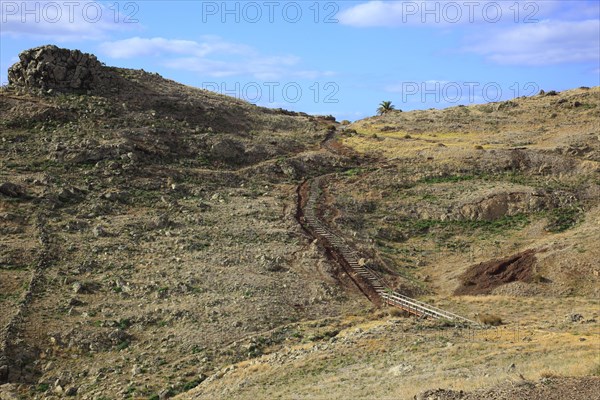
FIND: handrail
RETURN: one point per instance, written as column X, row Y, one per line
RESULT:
column 378, row 283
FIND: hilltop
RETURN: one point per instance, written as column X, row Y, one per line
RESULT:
column 152, row 243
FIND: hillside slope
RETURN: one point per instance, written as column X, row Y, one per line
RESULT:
column 491, row 211
column 148, row 232
column 151, row 245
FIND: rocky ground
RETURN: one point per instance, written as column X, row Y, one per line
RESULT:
column 466, row 185
column 549, row 388
column 149, row 234
column 150, row 246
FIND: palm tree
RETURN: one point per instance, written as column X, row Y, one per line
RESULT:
column 384, row 107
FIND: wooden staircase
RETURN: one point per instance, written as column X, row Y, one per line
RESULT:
column 361, row 268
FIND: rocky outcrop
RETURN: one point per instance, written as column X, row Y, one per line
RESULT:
column 49, row 68
column 504, row 204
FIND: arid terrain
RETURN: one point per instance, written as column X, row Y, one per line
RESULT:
column 153, row 244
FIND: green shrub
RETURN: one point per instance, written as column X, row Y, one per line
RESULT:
column 563, row 218
column 42, row 387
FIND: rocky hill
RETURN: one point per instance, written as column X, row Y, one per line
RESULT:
column 152, row 246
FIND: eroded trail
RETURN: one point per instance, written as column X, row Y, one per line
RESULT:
column 369, row 282
column 15, row 353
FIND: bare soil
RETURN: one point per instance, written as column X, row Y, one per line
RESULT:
column 484, row 277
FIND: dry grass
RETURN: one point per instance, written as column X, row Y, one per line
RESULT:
column 396, row 358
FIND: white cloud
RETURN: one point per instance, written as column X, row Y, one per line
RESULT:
column 431, row 13
column 139, row 47
column 445, row 14
column 373, row 13
column 260, row 68
column 62, row 21
column 212, row 57
column 547, row 42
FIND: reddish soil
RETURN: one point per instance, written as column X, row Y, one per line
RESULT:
column 484, row 277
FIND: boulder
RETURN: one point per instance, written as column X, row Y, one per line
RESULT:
column 49, row 68
column 12, row 190
column 229, row 151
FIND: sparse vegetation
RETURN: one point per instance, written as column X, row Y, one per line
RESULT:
column 563, row 218
column 452, row 227
column 154, row 245
column 490, row 319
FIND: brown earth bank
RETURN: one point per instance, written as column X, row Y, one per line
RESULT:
column 486, row 276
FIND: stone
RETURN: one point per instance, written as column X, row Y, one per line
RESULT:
column 136, row 370
column 12, row 190
column 72, row 391
column 78, row 287
column 75, row 302
column 575, row 317
column 228, row 150
column 3, row 373
column 84, row 287
column 99, row 231
column 52, row 69
column 115, row 196
column 164, row 394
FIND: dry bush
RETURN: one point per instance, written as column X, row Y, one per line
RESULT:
column 490, row 319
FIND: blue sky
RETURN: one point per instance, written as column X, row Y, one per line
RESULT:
column 328, row 57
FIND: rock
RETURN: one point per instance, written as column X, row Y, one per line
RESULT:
column 575, row 317
column 3, row 373
column 99, row 231
column 401, row 369
column 164, row 394
column 12, row 190
column 77, row 287
column 51, row 69
column 70, row 195
column 118, row 336
column 72, row 391
column 84, row 288
column 160, row 222
column 136, row 370
column 228, row 150
column 115, row 196
column 75, row 302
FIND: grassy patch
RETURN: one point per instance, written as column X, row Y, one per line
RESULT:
column 42, row 387
column 419, row 227
column 563, row 218
column 123, row 345
column 353, row 171
column 447, row 179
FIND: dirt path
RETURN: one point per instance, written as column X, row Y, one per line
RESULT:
column 14, row 351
